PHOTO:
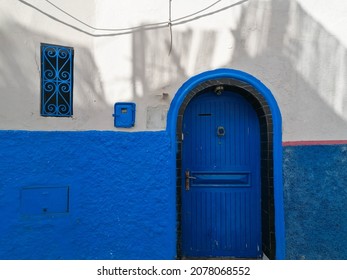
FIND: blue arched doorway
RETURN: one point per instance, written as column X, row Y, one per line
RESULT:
column 270, row 123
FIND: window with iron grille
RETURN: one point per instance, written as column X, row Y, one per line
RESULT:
column 56, row 80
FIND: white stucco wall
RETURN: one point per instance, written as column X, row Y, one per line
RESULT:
column 122, row 53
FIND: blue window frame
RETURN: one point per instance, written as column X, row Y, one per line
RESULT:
column 56, row 80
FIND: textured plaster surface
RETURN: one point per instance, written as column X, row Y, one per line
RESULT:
column 118, row 200
column 119, row 197
column 315, row 196
column 124, row 53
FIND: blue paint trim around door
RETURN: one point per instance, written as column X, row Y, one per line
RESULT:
column 173, row 113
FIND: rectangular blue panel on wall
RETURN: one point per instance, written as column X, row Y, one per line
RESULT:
column 42, row 200
column 124, row 114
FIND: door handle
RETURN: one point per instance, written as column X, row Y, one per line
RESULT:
column 188, row 177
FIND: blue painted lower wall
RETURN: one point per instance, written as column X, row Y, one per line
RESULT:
column 121, row 203
column 315, row 195
column 118, row 202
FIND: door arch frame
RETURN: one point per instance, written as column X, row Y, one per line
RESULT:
column 271, row 125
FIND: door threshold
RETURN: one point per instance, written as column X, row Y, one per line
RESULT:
column 264, row 257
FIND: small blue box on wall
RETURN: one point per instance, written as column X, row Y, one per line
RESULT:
column 44, row 200
column 124, row 114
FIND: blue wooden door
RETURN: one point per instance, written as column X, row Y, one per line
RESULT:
column 221, row 178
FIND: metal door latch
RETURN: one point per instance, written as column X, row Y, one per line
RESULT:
column 188, row 177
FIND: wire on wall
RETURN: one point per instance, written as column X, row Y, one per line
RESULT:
column 105, row 32
column 170, row 25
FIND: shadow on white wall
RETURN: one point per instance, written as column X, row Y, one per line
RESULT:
column 278, row 41
column 275, row 40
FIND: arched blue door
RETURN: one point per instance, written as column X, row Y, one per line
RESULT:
column 221, row 177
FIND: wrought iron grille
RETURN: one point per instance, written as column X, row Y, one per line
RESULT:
column 56, row 80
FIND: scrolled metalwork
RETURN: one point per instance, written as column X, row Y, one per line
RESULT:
column 56, row 80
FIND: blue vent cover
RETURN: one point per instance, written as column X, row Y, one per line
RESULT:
column 124, row 114
column 44, row 200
